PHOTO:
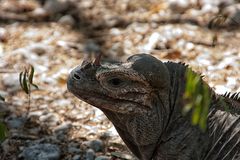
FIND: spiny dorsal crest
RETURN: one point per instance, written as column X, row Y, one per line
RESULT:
column 234, row 96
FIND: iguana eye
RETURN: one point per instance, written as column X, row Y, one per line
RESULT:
column 115, row 82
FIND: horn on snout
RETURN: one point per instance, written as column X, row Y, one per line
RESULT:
column 97, row 59
column 86, row 60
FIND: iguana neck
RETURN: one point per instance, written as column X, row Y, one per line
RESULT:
column 180, row 139
column 139, row 132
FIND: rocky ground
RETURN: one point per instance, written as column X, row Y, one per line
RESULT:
column 54, row 36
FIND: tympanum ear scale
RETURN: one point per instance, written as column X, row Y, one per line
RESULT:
column 151, row 70
column 98, row 59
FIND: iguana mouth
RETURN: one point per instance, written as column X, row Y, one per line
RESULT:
column 107, row 102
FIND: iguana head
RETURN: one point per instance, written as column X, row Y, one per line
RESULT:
column 128, row 87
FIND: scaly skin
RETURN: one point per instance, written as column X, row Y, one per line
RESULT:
column 143, row 98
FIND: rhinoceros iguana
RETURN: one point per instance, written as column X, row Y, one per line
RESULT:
column 143, row 98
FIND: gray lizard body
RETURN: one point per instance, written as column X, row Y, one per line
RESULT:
column 143, row 98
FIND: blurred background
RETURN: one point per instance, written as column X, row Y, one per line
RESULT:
column 53, row 36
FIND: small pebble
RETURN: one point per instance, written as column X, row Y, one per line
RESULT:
column 3, row 35
column 3, row 108
column 152, row 41
column 39, row 48
column 106, row 136
column 73, row 150
column 6, row 145
column 67, row 20
column 63, row 127
column 179, row 6
column 56, row 6
column 76, row 157
column 35, row 114
column 34, row 131
column 90, row 154
column 45, row 118
column 3, row 93
column 16, row 123
column 102, row 158
column 231, row 82
column 39, row 13
column 96, row 145
column 42, row 152
column 61, row 136
column 11, row 82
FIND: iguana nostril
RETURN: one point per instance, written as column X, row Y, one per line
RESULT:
column 76, row 76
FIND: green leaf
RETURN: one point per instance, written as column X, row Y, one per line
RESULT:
column 3, row 131
column 30, row 77
column 189, row 83
column 21, row 79
column 34, row 85
column 25, row 83
column 197, row 110
column 197, row 98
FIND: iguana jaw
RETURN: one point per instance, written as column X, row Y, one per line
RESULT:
column 83, row 84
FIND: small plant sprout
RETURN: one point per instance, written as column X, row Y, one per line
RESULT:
column 215, row 23
column 26, row 82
